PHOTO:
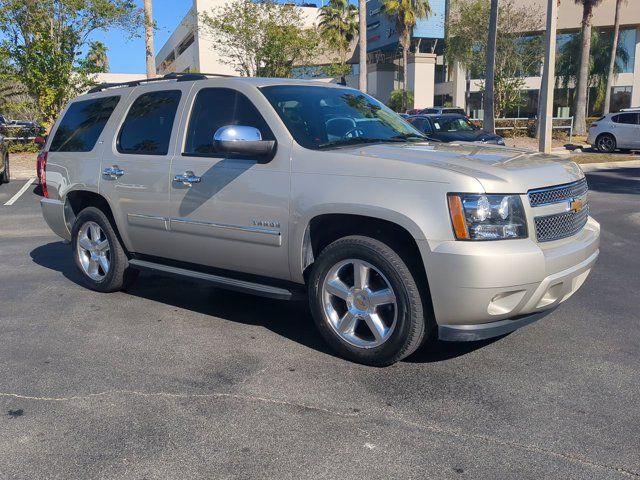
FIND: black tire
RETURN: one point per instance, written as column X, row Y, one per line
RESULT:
column 606, row 143
column 119, row 275
column 410, row 327
column 6, row 175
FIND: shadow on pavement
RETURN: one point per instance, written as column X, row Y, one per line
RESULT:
column 615, row 180
column 291, row 320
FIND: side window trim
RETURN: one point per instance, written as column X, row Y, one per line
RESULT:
column 176, row 122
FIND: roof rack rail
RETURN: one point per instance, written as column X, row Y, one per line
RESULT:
column 180, row 77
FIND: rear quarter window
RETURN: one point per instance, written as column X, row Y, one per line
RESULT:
column 83, row 124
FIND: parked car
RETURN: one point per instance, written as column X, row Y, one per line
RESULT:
column 31, row 128
column 5, row 173
column 292, row 187
column 452, row 128
column 442, row 111
column 616, row 131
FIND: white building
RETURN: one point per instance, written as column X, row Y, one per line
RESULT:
column 189, row 48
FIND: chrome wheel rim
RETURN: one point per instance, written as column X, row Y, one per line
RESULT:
column 359, row 303
column 94, row 251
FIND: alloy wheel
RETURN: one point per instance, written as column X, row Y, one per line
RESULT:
column 359, row 303
column 94, row 251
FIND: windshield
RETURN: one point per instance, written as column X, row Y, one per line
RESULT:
column 456, row 124
column 323, row 117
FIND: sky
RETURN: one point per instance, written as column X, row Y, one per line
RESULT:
column 126, row 55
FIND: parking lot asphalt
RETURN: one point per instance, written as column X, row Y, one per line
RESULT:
column 174, row 379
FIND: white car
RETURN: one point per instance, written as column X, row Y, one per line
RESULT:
column 616, row 131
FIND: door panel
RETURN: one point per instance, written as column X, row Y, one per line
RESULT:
column 139, row 152
column 236, row 216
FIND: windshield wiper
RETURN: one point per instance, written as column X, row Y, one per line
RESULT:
column 408, row 136
column 351, row 141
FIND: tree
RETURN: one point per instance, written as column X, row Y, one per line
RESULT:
column 338, row 27
column 489, row 124
column 406, row 14
column 582, row 80
column 45, row 40
column 97, row 60
column 260, row 38
column 362, row 43
column 148, row 39
column 612, row 59
column 517, row 53
column 568, row 63
column 395, row 102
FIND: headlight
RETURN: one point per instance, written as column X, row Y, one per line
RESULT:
column 487, row 217
column 500, row 141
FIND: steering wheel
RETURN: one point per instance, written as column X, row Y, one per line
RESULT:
column 353, row 133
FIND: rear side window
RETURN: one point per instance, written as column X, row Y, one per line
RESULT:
column 82, row 125
column 219, row 107
column 147, row 128
column 628, row 118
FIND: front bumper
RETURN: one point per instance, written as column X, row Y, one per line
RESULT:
column 485, row 289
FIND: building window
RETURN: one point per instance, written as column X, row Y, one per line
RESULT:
column 186, row 43
column 620, row 98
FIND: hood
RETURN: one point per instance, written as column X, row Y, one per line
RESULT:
column 498, row 169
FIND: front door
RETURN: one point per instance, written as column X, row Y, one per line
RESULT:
column 234, row 215
column 135, row 167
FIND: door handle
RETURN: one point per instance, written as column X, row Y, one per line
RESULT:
column 113, row 172
column 187, row 178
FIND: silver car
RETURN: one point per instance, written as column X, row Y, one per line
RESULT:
column 616, row 131
column 281, row 187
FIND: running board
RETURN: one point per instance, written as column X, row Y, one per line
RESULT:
column 222, row 282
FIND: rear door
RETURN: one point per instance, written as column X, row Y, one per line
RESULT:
column 626, row 129
column 236, row 217
column 135, row 166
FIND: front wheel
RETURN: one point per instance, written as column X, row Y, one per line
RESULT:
column 365, row 302
column 98, row 253
column 606, row 143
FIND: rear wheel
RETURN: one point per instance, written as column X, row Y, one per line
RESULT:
column 99, row 254
column 6, row 175
column 606, row 143
column 365, row 302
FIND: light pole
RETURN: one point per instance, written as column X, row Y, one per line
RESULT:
column 545, row 114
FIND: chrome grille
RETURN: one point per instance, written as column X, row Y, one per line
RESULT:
column 561, row 225
column 557, row 194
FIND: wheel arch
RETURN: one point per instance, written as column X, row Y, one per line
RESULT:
column 78, row 199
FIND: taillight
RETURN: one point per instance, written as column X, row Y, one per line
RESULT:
column 41, row 168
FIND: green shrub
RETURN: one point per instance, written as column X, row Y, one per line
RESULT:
column 395, row 100
column 22, row 146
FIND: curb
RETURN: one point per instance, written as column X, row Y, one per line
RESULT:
column 588, row 167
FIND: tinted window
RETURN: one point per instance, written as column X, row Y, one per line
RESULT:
column 147, row 128
column 628, row 118
column 82, row 125
column 218, row 107
column 453, row 124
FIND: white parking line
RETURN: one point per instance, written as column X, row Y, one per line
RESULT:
column 24, row 188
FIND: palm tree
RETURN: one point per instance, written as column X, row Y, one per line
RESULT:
column 582, row 85
column 148, row 37
column 338, row 27
column 362, row 78
column 489, row 123
column 97, row 57
column 612, row 60
column 568, row 62
column 406, row 13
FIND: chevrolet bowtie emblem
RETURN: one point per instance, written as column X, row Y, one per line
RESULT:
column 576, row 205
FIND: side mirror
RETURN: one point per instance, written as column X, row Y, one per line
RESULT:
column 242, row 140
column 40, row 141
